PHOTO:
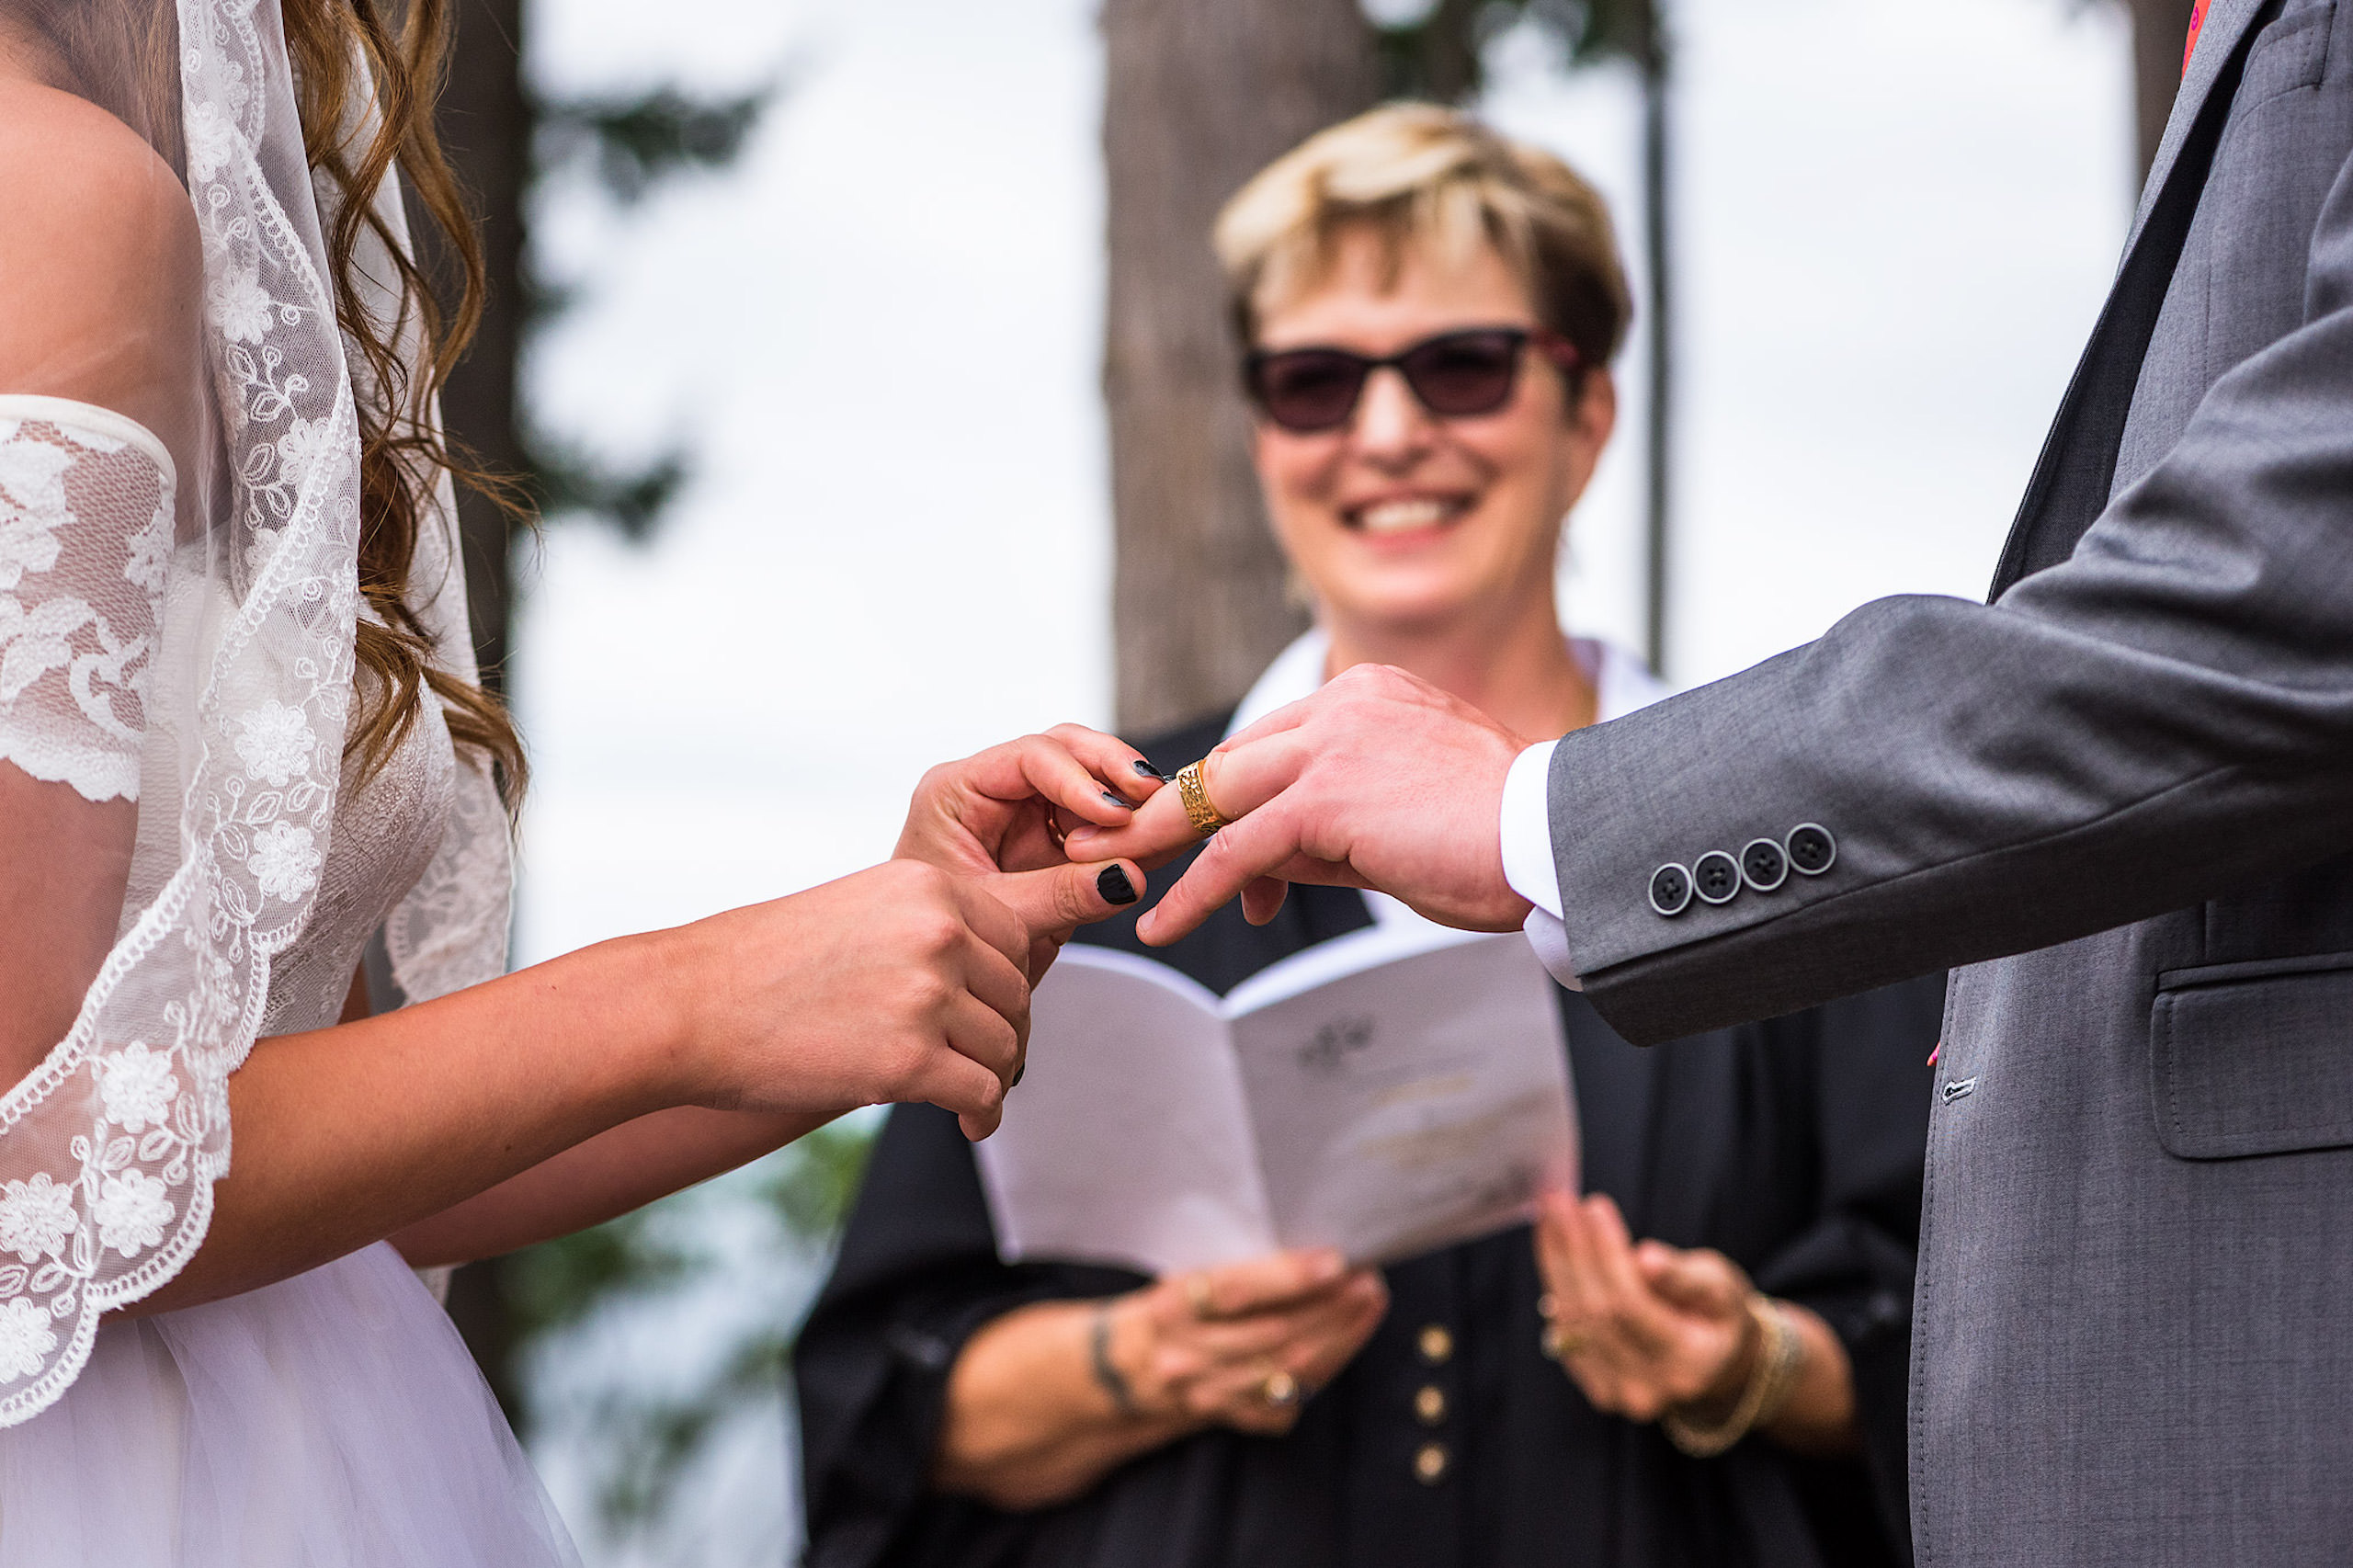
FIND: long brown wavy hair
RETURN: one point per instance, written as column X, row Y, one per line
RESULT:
column 338, row 49
column 126, row 53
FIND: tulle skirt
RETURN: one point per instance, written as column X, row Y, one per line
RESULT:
column 333, row 1420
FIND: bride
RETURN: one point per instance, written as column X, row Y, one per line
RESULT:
column 240, row 739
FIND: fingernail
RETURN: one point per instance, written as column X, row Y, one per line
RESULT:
column 1113, row 884
column 1015, row 1082
column 1111, row 799
column 1145, row 770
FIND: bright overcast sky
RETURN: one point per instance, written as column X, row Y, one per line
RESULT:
column 881, row 333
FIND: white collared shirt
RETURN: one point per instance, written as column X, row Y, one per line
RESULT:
column 1621, row 682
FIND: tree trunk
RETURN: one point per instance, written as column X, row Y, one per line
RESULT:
column 1198, row 97
column 2160, row 27
column 1651, row 59
column 485, row 126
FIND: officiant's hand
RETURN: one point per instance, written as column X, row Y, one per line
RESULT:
column 1047, row 1399
column 1244, row 1346
column 1645, row 1329
column 1001, row 815
column 1379, row 780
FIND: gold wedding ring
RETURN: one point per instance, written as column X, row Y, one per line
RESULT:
column 1558, row 1343
column 1556, row 1339
column 1206, row 818
column 1279, row 1390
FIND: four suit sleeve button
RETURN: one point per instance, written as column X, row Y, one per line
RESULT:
column 1670, row 889
column 1716, row 877
column 1812, row 849
column 1764, row 864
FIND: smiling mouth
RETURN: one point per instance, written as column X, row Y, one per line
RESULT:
column 1405, row 516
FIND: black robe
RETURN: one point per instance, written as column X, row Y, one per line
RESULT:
column 1793, row 1146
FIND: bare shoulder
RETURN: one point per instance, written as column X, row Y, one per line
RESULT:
column 101, row 267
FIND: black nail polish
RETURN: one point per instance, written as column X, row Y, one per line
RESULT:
column 1111, row 799
column 1016, row 1081
column 1113, row 884
column 1145, row 769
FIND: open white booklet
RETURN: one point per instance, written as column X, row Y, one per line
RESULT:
column 1388, row 1092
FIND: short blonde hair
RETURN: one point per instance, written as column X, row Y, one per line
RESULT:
column 1417, row 174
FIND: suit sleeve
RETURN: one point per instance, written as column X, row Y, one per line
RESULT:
column 2166, row 716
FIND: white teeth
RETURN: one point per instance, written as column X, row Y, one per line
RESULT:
column 1397, row 516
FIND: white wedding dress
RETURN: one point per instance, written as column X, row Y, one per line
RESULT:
column 333, row 1418
column 180, row 634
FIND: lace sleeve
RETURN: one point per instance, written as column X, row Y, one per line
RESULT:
column 86, row 534
column 96, row 1144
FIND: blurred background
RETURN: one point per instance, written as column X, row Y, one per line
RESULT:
column 868, row 359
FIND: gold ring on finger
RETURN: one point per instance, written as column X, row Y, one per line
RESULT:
column 1279, row 1390
column 1206, row 818
column 1559, row 1341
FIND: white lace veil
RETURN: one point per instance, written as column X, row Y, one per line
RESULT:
column 176, row 628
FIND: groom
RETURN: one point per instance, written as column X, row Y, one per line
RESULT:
column 2121, row 794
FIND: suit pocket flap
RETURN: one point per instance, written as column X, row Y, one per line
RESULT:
column 2254, row 1059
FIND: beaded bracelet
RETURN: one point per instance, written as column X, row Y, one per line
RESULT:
column 1107, row 1375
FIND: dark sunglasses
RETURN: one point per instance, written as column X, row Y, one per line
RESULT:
column 1455, row 375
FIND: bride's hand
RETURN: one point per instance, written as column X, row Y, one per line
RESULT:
column 1005, row 809
column 999, row 815
column 898, row 982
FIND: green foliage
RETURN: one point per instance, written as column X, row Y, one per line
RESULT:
column 646, row 1439
column 630, row 145
column 568, row 482
column 635, row 143
column 812, row 1196
column 1437, row 56
column 557, row 1283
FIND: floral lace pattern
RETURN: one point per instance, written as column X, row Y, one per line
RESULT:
column 450, row 931
column 85, row 531
column 207, row 674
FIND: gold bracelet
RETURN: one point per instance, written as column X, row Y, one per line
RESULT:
column 1770, row 1385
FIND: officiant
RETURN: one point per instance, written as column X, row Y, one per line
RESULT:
column 1431, row 312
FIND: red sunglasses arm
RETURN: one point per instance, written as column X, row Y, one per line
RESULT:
column 1558, row 350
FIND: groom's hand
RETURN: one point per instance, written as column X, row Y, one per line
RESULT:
column 1379, row 780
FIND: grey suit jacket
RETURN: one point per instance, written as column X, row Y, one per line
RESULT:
column 2122, row 794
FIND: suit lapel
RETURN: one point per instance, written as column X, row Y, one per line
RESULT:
column 2073, row 476
column 2226, row 24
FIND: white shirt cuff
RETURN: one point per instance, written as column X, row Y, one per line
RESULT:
column 1529, row 866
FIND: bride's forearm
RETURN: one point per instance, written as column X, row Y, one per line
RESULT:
column 343, row 1136
column 878, row 986
column 611, row 1173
